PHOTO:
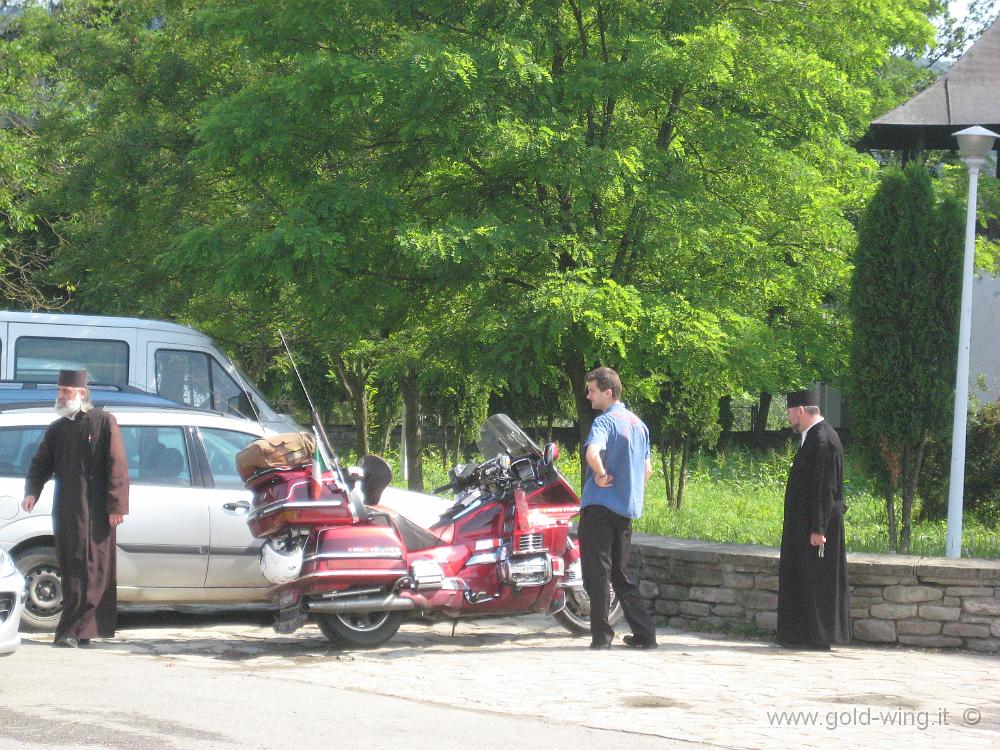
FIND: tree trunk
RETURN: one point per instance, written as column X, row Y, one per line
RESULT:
column 913, row 458
column 726, row 416
column 685, row 453
column 890, row 511
column 759, row 418
column 576, row 371
column 353, row 378
column 383, row 434
column 667, row 477
column 444, row 442
column 414, row 436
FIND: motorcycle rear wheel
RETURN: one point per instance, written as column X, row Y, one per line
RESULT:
column 360, row 630
column 575, row 616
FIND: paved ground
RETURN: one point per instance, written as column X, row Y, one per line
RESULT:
column 524, row 676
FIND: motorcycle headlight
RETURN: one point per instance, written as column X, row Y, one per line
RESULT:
column 7, row 567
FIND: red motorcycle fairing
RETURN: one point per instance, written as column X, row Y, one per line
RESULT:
column 374, row 553
column 290, row 498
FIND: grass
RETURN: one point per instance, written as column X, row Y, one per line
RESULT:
column 737, row 497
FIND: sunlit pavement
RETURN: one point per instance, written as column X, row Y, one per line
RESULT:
column 698, row 689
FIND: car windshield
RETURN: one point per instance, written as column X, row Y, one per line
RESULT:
column 499, row 435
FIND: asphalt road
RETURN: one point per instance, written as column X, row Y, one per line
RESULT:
column 180, row 680
column 219, row 680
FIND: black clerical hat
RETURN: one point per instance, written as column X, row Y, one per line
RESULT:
column 802, row 398
column 73, row 378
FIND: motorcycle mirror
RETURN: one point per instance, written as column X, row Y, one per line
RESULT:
column 551, row 453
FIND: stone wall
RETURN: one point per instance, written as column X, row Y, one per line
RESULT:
column 915, row 601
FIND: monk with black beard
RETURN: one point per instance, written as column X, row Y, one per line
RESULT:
column 813, row 596
column 85, row 453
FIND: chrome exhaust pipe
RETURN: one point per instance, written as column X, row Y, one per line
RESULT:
column 391, row 603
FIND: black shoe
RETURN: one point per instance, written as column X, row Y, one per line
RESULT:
column 600, row 644
column 84, row 643
column 632, row 642
column 67, row 641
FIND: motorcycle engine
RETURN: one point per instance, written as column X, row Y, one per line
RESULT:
column 525, row 571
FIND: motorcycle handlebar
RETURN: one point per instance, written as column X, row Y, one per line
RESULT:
column 442, row 488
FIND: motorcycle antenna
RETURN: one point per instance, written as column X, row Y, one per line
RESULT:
column 317, row 424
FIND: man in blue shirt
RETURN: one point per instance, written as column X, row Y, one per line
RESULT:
column 618, row 467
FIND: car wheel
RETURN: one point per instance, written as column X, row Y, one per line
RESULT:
column 44, row 604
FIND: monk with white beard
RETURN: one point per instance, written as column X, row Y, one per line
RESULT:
column 84, row 452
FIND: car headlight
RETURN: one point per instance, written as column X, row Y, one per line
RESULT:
column 7, row 567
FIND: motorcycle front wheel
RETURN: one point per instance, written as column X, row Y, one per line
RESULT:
column 575, row 616
column 360, row 630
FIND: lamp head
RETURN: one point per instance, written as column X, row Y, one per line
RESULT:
column 975, row 143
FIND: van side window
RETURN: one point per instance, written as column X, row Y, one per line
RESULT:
column 39, row 359
column 183, row 376
column 196, row 379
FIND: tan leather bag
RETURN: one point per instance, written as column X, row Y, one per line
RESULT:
column 275, row 451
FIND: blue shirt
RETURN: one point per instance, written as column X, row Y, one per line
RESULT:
column 624, row 443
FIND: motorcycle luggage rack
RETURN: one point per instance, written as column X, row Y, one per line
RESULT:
column 274, row 472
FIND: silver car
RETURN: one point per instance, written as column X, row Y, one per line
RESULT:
column 185, row 539
column 11, row 603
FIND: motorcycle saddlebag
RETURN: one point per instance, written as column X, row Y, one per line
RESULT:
column 274, row 452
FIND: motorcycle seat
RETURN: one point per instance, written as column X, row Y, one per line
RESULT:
column 445, row 531
column 414, row 537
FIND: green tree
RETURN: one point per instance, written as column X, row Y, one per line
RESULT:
column 26, row 239
column 904, row 302
column 626, row 184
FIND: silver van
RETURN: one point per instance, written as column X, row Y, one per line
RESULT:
column 168, row 359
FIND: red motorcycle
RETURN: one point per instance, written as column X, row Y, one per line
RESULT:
column 360, row 569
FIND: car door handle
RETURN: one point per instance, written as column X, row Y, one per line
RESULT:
column 241, row 507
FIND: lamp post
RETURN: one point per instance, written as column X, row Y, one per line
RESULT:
column 974, row 145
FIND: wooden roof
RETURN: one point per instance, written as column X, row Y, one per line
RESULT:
column 968, row 94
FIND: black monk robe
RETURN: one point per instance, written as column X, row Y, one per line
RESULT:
column 87, row 457
column 813, row 596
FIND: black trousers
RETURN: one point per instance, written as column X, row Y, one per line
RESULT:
column 605, row 541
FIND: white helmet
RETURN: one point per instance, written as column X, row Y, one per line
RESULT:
column 281, row 560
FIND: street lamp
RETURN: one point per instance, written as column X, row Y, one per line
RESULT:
column 974, row 145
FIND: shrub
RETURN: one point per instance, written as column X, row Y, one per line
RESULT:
column 981, row 497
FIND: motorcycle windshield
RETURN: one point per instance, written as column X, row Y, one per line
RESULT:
column 499, row 435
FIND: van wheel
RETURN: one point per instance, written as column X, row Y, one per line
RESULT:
column 45, row 595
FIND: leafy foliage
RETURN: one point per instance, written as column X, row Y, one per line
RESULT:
column 484, row 196
column 905, row 299
column 981, row 493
